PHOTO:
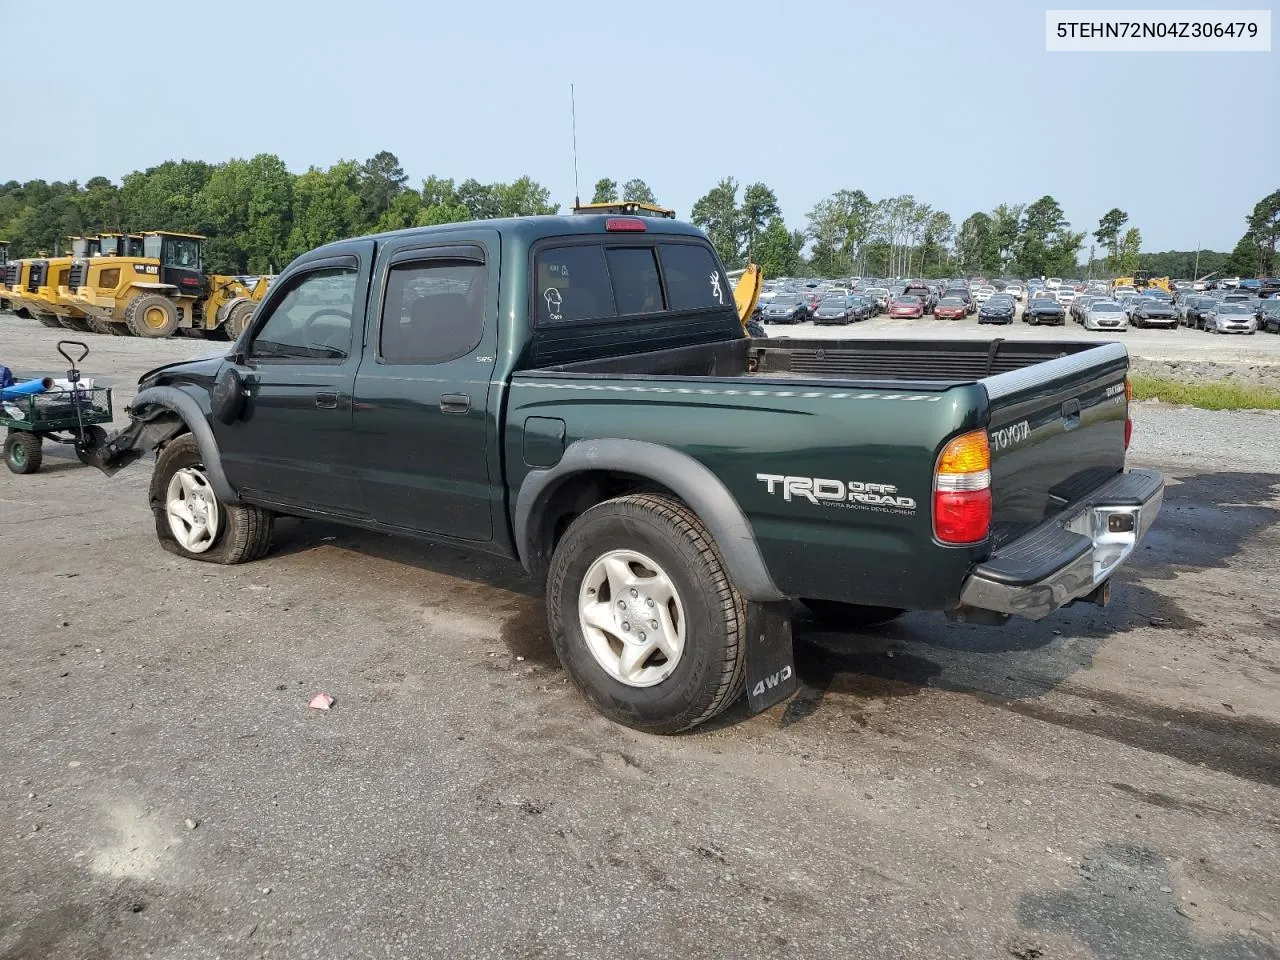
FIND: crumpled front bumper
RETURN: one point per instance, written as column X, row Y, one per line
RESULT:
column 1071, row 555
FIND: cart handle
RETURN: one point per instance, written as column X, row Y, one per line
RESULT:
column 84, row 351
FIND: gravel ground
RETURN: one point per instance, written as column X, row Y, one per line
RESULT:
column 1100, row 784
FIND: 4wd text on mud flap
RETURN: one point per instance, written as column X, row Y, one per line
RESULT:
column 771, row 681
column 818, row 490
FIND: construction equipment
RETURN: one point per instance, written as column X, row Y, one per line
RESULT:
column 19, row 275
column 626, row 208
column 1142, row 280
column 164, row 290
column 49, row 286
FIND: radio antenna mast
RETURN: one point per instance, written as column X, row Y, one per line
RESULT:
column 573, row 113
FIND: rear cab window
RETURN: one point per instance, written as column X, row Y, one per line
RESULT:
column 602, row 281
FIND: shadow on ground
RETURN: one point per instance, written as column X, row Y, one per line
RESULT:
column 1126, row 904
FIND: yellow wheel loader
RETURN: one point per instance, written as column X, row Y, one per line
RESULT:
column 19, row 277
column 165, row 290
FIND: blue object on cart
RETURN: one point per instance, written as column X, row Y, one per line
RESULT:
column 25, row 389
column 6, row 376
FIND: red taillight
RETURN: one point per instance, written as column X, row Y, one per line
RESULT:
column 190, row 282
column 962, row 490
column 624, row 225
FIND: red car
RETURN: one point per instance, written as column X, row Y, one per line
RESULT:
column 951, row 308
column 907, row 307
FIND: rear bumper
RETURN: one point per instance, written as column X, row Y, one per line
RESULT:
column 1071, row 555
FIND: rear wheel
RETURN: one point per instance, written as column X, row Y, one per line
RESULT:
column 152, row 315
column 190, row 519
column 643, row 614
column 22, row 451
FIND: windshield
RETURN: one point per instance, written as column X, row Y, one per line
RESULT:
column 1044, row 302
column 1106, row 306
column 833, row 303
column 908, row 301
column 1236, row 308
column 951, row 302
column 785, row 300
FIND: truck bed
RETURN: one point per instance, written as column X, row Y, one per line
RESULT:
column 926, row 364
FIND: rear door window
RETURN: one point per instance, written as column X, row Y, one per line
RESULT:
column 694, row 278
column 573, row 284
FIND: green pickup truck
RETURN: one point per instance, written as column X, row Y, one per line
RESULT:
column 578, row 393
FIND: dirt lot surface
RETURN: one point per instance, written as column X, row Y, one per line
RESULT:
column 1101, row 784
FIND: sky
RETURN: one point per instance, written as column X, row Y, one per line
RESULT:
column 957, row 104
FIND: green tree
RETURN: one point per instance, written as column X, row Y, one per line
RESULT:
column 606, row 191
column 1006, row 220
column 1108, row 234
column 759, row 208
column 480, row 199
column 1129, row 249
column 777, row 250
column 381, row 179
column 405, row 211
column 1244, row 259
column 976, row 247
column 165, row 197
column 1264, row 227
column 327, row 206
column 1046, row 244
column 441, row 203
column 637, row 190
column 717, row 214
column 523, row 198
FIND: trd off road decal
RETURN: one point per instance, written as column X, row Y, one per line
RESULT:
column 850, row 494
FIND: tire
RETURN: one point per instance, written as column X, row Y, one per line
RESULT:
column 238, row 318
column 98, row 325
column 710, row 671
column 117, row 329
column 240, row 533
column 78, row 324
column 23, row 452
column 850, row 616
column 152, row 315
column 94, row 437
column 48, row 320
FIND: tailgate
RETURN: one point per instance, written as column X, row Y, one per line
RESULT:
column 1057, row 432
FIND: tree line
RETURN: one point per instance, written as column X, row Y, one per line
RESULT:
column 259, row 216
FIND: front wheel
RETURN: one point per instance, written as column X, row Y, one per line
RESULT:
column 23, row 451
column 190, row 519
column 643, row 614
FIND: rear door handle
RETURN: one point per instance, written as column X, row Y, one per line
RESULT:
column 455, row 403
column 327, row 400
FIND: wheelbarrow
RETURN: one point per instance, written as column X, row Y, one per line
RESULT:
column 60, row 411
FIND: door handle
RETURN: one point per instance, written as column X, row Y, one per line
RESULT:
column 455, row 403
column 327, row 400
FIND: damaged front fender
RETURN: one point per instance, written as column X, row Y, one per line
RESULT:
column 158, row 414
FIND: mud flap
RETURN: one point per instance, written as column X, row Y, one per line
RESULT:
column 771, row 669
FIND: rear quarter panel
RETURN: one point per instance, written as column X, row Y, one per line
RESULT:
column 818, row 541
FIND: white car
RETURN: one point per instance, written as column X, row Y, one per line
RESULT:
column 1106, row 315
column 1232, row 318
column 982, row 294
column 1066, row 295
column 1014, row 290
column 1053, row 283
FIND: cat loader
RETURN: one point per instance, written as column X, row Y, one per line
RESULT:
column 163, row 291
column 21, row 294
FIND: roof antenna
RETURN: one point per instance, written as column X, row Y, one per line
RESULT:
column 573, row 112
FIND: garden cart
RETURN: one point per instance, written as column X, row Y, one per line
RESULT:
column 62, row 411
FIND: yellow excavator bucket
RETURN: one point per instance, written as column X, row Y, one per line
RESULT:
column 746, row 290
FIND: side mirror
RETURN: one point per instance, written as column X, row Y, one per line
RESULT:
column 230, row 393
